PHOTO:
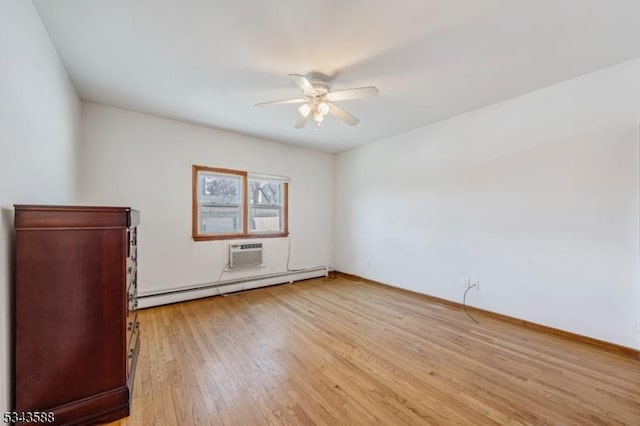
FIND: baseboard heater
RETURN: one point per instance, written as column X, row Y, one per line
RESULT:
column 146, row 300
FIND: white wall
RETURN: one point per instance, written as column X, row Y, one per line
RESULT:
column 536, row 197
column 39, row 114
column 138, row 160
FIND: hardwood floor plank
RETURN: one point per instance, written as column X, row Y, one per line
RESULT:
column 347, row 352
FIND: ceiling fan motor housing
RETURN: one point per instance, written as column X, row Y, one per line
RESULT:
column 320, row 85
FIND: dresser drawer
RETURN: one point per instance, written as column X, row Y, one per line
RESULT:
column 133, row 327
column 132, row 271
column 132, row 303
column 132, row 295
column 132, row 243
column 132, row 357
column 132, row 284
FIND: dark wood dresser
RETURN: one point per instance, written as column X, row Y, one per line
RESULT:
column 76, row 325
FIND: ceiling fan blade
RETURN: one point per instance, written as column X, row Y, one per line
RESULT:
column 342, row 114
column 302, row 121
column 303, row 83
column 282, row 102
column 359, row 93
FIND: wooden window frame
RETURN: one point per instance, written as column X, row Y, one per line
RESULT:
column 245, row 234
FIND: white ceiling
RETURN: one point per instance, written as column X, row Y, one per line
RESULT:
column 209, row 62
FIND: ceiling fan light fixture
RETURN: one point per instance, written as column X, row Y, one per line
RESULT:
column 323, row 108
column 319, row 100
column 304, row 109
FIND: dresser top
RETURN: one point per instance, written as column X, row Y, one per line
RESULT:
column 48, row 207
column 29, row 217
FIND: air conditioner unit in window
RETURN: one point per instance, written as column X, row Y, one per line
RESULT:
column 243, row 255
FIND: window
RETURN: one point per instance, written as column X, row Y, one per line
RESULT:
column 235, row 204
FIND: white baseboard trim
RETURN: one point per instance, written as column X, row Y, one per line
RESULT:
column 181, row 294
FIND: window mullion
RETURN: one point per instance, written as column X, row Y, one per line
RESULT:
column 245, row 206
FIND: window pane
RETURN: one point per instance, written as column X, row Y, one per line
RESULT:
column 265, row 192
column 220, row 220
column 265, row 219
column 220, row 189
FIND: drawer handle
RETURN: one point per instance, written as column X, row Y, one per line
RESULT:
column 131, row 352
column 130, row 326
column 137, row 325
column 129, row 270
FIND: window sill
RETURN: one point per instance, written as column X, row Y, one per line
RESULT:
column 238, row 236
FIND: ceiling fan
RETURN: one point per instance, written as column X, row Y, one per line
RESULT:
column 318, row 101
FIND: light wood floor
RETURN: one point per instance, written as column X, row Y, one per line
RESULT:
column 346, row 353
